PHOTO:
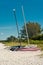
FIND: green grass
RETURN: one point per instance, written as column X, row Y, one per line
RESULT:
column 39, row 43
column 14, row 44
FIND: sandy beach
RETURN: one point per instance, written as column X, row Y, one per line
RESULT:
column 8, row 57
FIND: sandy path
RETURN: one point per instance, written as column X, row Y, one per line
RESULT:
column 8, row 57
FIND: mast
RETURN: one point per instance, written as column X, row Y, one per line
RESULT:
column 16, row 24
column 25, row 24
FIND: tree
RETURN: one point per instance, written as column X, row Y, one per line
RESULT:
column 32, row 29
column 11, row 38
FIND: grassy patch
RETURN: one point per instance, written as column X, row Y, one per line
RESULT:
column 14, row 43
column 39, row 43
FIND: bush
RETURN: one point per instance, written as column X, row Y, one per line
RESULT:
column 39, row 43
column 38, row 37
column 36, row 41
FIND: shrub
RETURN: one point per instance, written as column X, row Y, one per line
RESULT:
column 38, row 37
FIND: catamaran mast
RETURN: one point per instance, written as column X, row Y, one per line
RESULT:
column 25, row 24
column 16, row 25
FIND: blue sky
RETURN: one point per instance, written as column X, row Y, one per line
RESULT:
column 33, row 12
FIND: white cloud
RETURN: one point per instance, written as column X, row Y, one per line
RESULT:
column 2, row 33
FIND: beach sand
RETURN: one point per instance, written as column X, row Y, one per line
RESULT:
column 8, row 57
